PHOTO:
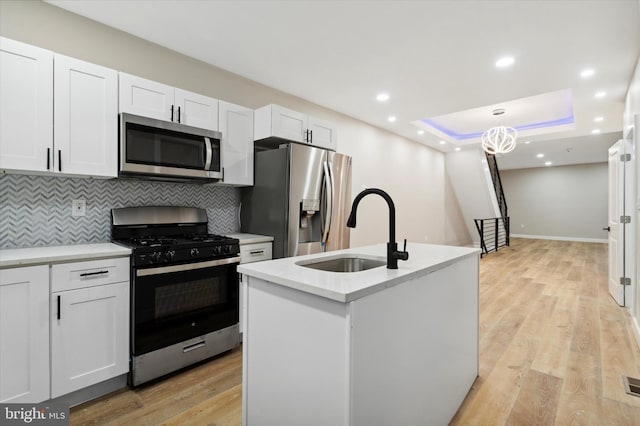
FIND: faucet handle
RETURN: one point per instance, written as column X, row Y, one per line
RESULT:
column 402, row 255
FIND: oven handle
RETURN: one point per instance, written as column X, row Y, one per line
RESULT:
column 186, row 267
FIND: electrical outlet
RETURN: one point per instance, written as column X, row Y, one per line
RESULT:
column 78, row 208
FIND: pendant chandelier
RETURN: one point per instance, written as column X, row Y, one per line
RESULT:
column 499, row 140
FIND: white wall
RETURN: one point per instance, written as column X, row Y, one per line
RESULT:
column 412, row 173
column 468, row 174
column 564, row 202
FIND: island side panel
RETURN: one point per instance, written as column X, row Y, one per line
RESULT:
column 415, row 348
column 294, row 357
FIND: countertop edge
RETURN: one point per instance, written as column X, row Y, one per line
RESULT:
column 22, row 257
column 345, row 297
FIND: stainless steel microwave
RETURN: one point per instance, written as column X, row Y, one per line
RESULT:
column 168, row 151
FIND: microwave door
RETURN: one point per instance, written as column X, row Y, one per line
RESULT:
column 152, row 147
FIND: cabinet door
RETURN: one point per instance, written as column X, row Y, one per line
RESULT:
column 322, row 134
column 196, row 110
column 24, row 334
column 236, row 126
column 288, row 124
column 26, row 106
column 145, row 97
column 89, row 336
column 85, row 118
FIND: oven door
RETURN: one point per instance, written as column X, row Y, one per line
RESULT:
column 155, row 147
column 174, row 303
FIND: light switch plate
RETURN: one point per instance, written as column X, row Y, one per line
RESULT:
column 78, row 208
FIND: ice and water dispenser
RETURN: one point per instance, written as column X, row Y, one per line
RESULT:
column 310, row 226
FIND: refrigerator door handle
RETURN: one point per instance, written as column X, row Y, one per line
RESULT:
column 328, row 182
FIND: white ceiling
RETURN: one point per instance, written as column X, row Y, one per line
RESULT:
column 433, row 58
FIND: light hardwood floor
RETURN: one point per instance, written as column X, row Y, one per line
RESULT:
column 553, row 349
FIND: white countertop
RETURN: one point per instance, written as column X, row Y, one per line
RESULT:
column 349, row 286
column 251, row 238
column 53, row 254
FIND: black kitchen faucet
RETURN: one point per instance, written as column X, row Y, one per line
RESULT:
column 392, row 247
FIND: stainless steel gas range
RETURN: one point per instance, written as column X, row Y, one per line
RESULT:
column 184, row 288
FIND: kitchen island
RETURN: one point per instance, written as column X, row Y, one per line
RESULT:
column 374, row 347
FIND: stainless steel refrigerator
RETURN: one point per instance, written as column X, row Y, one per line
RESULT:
column 302, row 197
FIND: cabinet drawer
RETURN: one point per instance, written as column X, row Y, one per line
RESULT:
column 255, row 252
column 70, row 276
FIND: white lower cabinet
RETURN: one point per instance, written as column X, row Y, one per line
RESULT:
column 63, row 327
column 251, row 252
column 24, row 334
column 89, row 323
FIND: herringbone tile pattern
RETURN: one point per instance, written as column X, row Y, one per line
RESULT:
column 36, row 210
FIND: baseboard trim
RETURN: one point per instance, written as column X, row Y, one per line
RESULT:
column 546, row 237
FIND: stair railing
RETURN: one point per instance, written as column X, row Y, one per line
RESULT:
column 494, row 234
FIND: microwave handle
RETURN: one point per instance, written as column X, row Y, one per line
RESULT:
column 209, row 153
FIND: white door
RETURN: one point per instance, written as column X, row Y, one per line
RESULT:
column 89, row 336
column 147, row 98
column 24, row 334
column 196, row 110
column 620, row 187
column 85, row 118
column 26, row 106
column 236, row 126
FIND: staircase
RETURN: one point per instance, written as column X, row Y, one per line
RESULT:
column 494, row 232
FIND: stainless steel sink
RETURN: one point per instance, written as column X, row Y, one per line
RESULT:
column 345, row 263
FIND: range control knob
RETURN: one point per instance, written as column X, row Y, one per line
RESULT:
column 195, row 252
column 217, row 250
column 155, row 257
column 226, row 249
column 169, row 255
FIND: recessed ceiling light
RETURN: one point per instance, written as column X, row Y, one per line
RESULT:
column 548, row 163
column 392, row 118
column 421, row 132
column 598, row 119
column 595, row 131
column 586, row 73
column 458, row 148
column 382, row 97
column 507, row 61
column 443, row 142
column 540, row 155
column 600, row 94
column 527, row 142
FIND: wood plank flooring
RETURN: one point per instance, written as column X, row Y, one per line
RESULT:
column 553, row 349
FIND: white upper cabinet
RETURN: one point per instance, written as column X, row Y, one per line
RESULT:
column 274, row 121
column 196, row 110
column 26, row 106
column 85, row 118
column 144, row 97
column 322, row 133
column 74, row 132
column 149, row 98
column 236, row 126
